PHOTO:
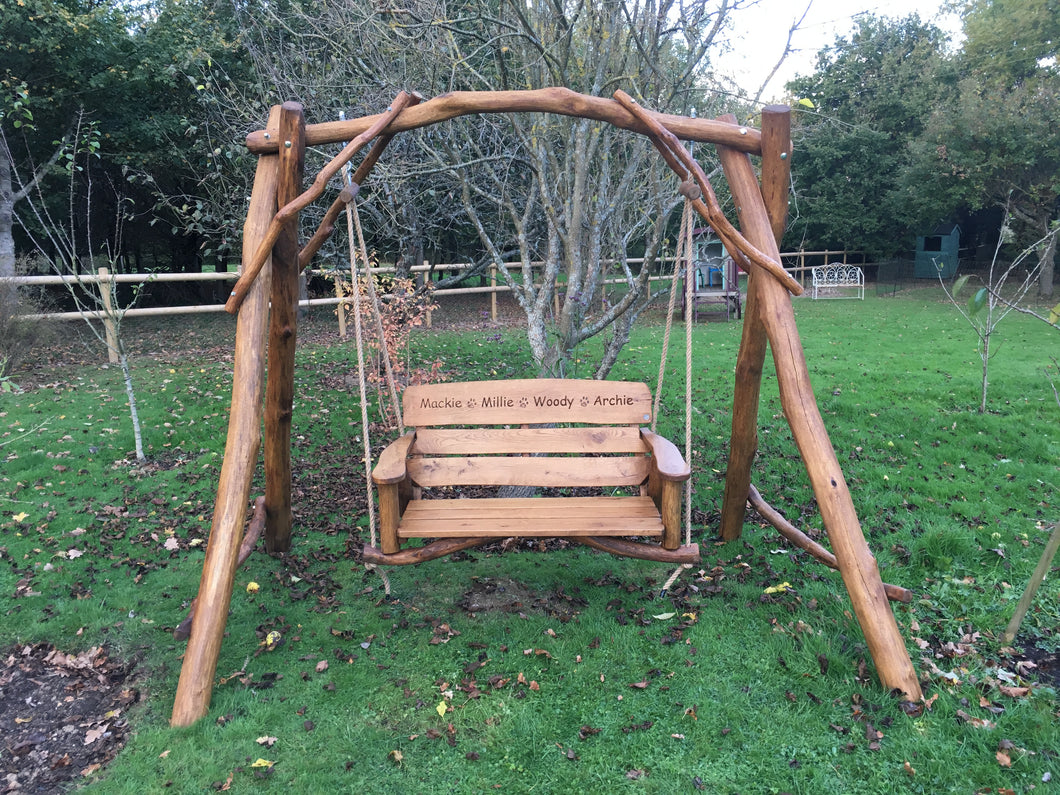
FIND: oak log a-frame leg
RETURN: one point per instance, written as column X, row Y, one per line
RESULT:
column 769, row 316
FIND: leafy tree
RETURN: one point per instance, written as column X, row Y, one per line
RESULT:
column 872, row 95
column 997, row 141
column 55, row 59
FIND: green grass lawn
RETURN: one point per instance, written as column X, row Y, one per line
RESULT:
column 589, row 680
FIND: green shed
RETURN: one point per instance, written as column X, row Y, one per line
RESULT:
column 936, row 251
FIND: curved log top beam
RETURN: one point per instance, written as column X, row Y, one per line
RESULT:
column 561, row 101
column 708, row 207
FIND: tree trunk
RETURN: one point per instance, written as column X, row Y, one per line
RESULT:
column 8, row 292
column 1046, row 266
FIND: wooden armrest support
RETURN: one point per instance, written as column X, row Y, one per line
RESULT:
column 391, row 466
column 666, row 458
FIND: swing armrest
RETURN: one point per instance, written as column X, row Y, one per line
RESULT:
column 391, row 466
column 666, row 458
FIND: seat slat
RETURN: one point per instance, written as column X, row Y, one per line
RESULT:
column 524, row 471
column 578, row 507
column 495, row 441
column 547, row 517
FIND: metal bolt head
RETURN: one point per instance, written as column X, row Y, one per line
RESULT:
column 286, row 144
column 268, row 136
column 743, row 131
column 783, row 155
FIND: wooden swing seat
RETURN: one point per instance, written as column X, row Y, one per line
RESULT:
column 547, row 433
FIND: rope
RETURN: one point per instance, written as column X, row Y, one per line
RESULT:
column 684, row 246
column 679, row 254
column 377, row 314
column 351, row 210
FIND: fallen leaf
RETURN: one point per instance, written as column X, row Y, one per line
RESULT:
column 322, row 666
column 171, row 544
column 633, row 775
column 267, row 741
column 909, row 769
column 396, row 756
column 534, row 686
column 641, row 685
column 94, row 734
column 664, row 616
column 1014, row 692
column 262, row 763
column 440, row 709
column 971, row 720
column 164, row 754
column 20, row 517
column 1003, row 759
column 782, row 588
column 587, row 731
column 253, row 587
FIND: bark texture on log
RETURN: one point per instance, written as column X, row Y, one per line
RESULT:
column 237, row 468
column 856, row 563
column 283, row 325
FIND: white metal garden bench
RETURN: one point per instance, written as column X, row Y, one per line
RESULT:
column 837, row 279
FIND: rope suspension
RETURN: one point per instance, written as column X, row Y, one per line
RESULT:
column 682, row 255
column 353, row 229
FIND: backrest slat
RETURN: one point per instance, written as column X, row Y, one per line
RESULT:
column 528, row 471
column 499, row 441
column 527, row 402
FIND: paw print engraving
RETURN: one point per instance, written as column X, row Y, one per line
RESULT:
column 524, row 402
column 472, row 404
column 584, row 401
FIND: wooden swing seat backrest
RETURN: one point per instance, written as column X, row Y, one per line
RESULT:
column 566, row 434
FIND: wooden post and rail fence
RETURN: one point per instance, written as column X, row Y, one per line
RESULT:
column 100, row 285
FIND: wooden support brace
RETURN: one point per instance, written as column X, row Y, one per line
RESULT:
column 283, row 324
column 412, row 555
column 634, row 549
column 291, row 208
column 557, row 100
column 192, row 698
column 327, row 225
column 894, row 592
column 250, row 540
column 709, row 208
column 750, row 361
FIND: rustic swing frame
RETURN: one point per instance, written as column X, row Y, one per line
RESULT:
column 265, row 298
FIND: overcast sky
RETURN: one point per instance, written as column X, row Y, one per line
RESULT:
column 761, row 33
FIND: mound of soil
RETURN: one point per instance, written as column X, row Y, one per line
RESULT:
column 62, row 716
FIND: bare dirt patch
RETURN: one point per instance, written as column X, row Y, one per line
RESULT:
column 62, row 716
column 503, row 594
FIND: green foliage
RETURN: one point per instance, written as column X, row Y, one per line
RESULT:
column 995, row 141
column 872, row 94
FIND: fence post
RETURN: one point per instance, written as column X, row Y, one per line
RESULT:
column 493, row 292
column 109, row 323
column 340, row 309
column 427, row 278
